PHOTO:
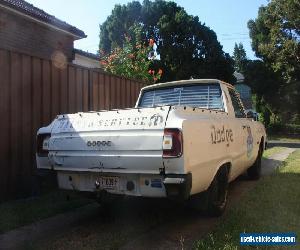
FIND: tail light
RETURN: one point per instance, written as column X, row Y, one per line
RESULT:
column 42, row 144
column 172, row 143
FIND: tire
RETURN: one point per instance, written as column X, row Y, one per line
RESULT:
column 218, row 193
column 254, row 172
column 213, row 201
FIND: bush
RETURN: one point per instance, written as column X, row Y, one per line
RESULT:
column 287, row 129
column 134, row 60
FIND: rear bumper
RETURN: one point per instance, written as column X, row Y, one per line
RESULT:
column 178, row 186
column 173, row 186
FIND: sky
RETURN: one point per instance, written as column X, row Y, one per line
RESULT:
column 228, row 18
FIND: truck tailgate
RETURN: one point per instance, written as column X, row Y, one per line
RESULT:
column 128, row 141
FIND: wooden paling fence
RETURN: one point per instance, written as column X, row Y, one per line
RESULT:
column 33, row 91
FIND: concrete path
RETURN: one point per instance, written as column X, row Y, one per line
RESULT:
column 269, row 165
column 180, row 228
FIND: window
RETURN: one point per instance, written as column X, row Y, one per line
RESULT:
column 203, row 96
column 237, row 106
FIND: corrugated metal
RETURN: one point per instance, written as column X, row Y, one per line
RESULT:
column 33, row 92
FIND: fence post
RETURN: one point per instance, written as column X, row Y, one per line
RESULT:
column 90, row 90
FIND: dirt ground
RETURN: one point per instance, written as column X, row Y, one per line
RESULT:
column 132, row 224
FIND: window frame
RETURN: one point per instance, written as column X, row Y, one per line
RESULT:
column 186, row 85
column 234, row 95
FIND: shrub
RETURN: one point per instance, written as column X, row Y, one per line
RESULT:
column 133, row 60
column 287, row 129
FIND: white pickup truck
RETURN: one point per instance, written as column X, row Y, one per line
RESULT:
column 184, row 140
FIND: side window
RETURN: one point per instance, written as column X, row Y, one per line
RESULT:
column 237, row 106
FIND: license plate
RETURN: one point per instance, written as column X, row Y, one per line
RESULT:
column 107, row 182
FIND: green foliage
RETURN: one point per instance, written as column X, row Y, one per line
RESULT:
column 239, row 57
column 286, row 129
column 275, row 38
column 186, row 47
column 265, row 83
column 132, row 60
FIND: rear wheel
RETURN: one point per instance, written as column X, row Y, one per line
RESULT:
column 213, row 201
column 254, row 172
column 217, row 193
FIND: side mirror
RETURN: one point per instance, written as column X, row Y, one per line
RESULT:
column 250, row 114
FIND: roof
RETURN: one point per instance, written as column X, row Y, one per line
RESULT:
column 87, row 54
column 38, row 14
column 183, row 82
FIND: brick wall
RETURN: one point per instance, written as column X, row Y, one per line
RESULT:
column 18, row 33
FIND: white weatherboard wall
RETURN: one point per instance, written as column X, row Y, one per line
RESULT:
column 86, row 61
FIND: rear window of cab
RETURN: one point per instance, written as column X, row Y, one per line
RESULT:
column 207, row 96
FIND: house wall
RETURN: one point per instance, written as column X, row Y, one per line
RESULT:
column 86, row 62
column 22, row 34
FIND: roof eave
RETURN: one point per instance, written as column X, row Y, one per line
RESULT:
column 73, row 34
column 86, row 54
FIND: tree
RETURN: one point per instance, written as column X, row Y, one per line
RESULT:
column 239, row 57
column 265, row 83
column 275, row 35
column 186, row 47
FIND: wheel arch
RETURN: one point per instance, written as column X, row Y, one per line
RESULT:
column 224, row 164
column 262, row 142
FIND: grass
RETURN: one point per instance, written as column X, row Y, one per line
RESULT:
column 273, row 150
column 14, row 214
column 272, row 206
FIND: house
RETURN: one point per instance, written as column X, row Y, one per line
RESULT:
column 34, row 89
column 244, row 90
column 245, row 93
column 86, row 59
column 27, row 29
column 239, row 77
